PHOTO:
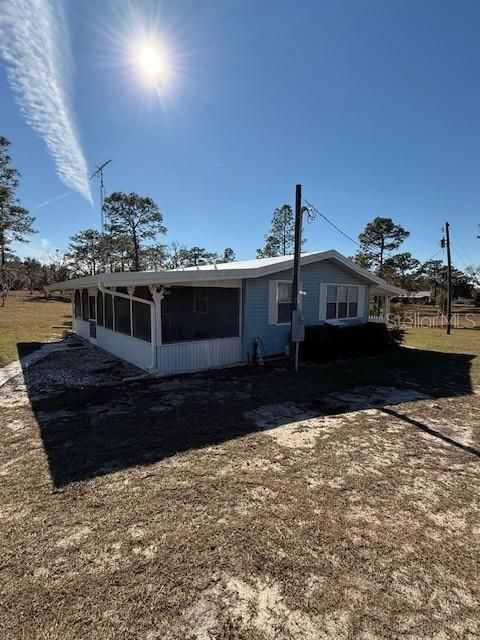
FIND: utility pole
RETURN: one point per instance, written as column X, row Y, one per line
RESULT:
column 295, row 345
column 449, row 280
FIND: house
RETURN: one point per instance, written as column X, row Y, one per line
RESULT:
column 417, row 297
column 198, row 318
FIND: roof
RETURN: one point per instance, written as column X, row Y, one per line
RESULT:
column 418, row 294
column 224, row 272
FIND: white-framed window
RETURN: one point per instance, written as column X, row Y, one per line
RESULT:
column 342, row 302
column 284, row 302
column 200, row 300
column 280, row 301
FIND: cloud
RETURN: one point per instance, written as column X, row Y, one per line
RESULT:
column 44, row 242
column 55, row 199
column 33, row 43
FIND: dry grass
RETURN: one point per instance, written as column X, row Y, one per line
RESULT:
column 244, row 505
column 429, row 316
column 30, row 319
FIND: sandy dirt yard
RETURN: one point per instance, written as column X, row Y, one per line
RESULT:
column 342, row 503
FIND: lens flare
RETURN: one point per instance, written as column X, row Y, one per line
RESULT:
column 152, row 62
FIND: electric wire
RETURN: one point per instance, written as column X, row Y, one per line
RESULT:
column 332, row 224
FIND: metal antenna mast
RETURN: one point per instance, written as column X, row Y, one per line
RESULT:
column 99, row 172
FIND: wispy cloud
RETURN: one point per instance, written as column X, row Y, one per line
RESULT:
column 33, row 43
column 55, row 199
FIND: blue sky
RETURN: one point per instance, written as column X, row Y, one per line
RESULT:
column 373, row 106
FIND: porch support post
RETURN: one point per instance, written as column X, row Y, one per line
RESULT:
column 158, row 293
column 131, row 291
column 387, row 308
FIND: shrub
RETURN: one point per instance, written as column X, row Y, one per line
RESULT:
column 327, row 342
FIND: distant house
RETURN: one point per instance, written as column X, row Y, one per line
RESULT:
column 198, row 318
column 418, row 297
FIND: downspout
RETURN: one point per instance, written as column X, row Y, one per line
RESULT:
column 153, row 362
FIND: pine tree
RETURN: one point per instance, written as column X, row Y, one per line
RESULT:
column 135, row 217
column 280, row 240
column 378, row 238
column 15, row 221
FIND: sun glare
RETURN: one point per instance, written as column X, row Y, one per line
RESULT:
column 152, row 63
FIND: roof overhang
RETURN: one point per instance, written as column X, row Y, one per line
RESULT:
column 223, row 273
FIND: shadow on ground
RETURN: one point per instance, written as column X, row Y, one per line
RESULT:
column 94, row 419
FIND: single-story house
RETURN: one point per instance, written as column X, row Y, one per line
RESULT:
column 417, row 297
column 197, row 318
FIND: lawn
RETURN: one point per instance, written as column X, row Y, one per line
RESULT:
column 246, row 504
column 30, row 319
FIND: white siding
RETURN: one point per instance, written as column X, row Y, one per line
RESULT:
column 182, row 357
column 130, row 349
column 82, row 328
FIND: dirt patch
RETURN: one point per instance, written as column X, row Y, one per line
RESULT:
column 249, row 505
column 258, row 606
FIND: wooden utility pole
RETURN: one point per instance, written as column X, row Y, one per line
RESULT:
column 294, row 346
column 449, row 280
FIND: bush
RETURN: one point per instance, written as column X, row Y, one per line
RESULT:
column 327, row 342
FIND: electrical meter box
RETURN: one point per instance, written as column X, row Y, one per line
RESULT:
column 298, row 326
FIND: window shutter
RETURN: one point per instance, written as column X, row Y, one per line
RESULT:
column 322, row 314
column 272, row 302
column 362, row 311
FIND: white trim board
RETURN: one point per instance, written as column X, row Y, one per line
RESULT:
column 232, row 271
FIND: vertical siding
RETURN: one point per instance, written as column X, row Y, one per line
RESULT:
column 182, row 357
column 131, row 349
column 255, row 309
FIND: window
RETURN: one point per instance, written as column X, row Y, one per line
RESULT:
column 100, row 308
column 200, row 300
column 342, row 302
column 284, row 302
column 78, row 304
column 108, row 311
column 141, row 321
column 85, row 304
column 122, row 315
column 352, row 302
column 331, row 302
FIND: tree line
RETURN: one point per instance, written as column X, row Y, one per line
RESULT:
column 133, row 234
column 378, row 251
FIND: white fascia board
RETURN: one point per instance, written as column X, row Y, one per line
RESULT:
column 193, row 276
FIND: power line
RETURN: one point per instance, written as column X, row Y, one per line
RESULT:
column 435, row 255
column 332, row 224
column 464, row 251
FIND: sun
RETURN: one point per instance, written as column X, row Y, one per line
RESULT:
column 151, row 60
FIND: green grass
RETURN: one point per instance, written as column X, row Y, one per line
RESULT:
column 30, row 319
column 464, row 341
column 460, row 340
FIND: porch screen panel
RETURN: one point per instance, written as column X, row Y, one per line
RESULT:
column 78, row 304
column 122, row 315
column 100, row 308
column 143, row 292
column 141, row 318
column 85, row 304
column 108, row 311
column 182, row 319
